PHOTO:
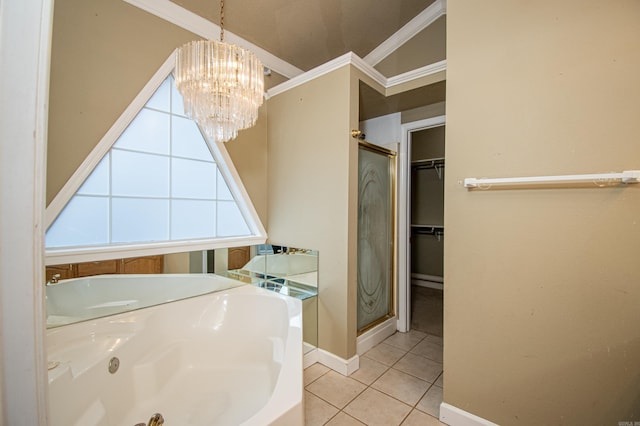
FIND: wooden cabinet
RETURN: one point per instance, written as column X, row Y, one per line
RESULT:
column 62, row 271
column 132, row 265
column 142, row 265
column 87, row 269
column 238, row 257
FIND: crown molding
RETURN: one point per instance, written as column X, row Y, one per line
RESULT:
column 189, row 21
column 369, row 70
column 407, row 32
column 417, row 73
column 351, row 58
column 312, row 74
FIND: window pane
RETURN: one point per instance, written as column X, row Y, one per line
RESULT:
column 230, row 220
column 98, row 181
column 160, row 99
column 159, row 181
column 139, row 220
column 136, row 174
column 177, row 102
column 83, row 222
column 187, row 141
column 148, row 132
column 223, row 189
column 193, row 179
column 193, row 219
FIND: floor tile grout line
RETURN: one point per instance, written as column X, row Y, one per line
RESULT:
column 399, row 359
column 333, row 405
column 411, row 406
column 419, row 399
column 374, row 380
column 387, row 368
column 345, row 405
column 377, row 390
column 412, row 347
column 345, row 413
column 305, row 386
column 405, row 417
column 332, row 417
column 413, row 375
column 414, row 406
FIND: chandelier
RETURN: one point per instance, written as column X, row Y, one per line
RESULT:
column 222, row 85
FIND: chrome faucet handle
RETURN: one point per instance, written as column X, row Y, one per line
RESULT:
column 54, row 279
column 156, row 420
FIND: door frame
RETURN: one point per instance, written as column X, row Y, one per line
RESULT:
column 24, row 81
column 404, row 217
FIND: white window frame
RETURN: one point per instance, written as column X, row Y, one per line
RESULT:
column 55, row 256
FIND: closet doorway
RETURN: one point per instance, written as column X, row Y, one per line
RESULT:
column 421, row 225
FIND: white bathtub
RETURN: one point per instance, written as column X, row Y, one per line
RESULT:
column 226, row 358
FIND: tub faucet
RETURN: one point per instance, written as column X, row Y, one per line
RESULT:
column 54, row 279
column 156, row 420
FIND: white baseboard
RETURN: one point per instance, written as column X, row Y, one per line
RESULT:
column 341, row 365
column 456, row 417
column 365, row 342
column 310, row 358
column 376, row 335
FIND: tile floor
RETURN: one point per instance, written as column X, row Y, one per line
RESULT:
column 426, row 310
column 399, row 382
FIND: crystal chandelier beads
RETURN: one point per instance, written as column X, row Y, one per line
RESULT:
column 222, row 86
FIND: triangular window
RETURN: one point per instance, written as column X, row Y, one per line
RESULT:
column 159, row 182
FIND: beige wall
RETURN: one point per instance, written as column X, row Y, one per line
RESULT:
column 310, row 162
column 176, row 263
column 249, row 154
column 103, row 53
column 542, row 320
column 421, row 113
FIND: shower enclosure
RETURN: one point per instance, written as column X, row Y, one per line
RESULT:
column 376, row 224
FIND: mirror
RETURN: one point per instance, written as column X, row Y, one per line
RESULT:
column 286, row 270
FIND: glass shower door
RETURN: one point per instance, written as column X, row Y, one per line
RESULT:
column 376, row 223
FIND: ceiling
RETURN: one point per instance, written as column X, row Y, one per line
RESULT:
column 308, row 33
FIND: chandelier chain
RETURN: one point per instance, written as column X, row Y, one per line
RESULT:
column 221, row 21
